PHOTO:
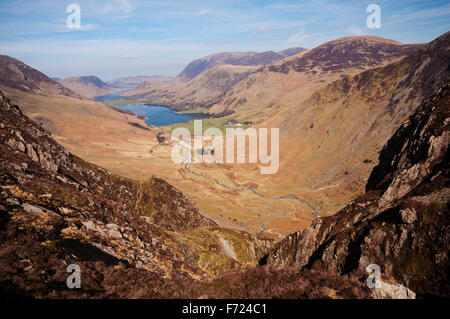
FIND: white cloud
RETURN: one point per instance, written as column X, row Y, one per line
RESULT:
column 408, row 14
column 129, row 57
column 355, row 30
column 298, row 37
column 264, row 28
column 417, row 16
column 108, row 7
column 100, row 47
column 125, row 5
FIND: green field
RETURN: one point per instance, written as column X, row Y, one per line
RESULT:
column 196, row 110
column 208, row 123
column 123, row 102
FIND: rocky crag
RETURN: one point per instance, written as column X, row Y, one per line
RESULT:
column 402, row 221
column 56, row 210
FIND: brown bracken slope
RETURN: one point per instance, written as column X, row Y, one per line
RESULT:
column 234, row 58
column 147, row 240
column 16, row 74
column 204, row 81
column 334, row 136
column 56, row 209
column 290, row 81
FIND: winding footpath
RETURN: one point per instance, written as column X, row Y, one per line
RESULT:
column 315, row 212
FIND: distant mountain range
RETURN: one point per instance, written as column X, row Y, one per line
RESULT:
column 204, row 80
column 234, row 58
column 364, row 133
column 88, row 86
column 58, row 209
column 204, row 89
column 353, row 117
column 301, row 74
column 131, row 82
column 267, row 74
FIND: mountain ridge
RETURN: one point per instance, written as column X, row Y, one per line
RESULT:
column 205, row 89
column 18, row 75
column 58, row 210
column 311, row 69
column 401, row 222
column 89, row 86
column 147, row 239
column 130, row 82
column 339, row 129
column 234, row 58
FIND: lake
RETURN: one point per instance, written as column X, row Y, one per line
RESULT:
column 161, row 115
column 156, row 115
column 112, row 96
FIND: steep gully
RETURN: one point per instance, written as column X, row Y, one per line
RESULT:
column 315, row 212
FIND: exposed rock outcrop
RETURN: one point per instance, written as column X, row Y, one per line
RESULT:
column 402, row 222
column 129, row 239
column 168, row 207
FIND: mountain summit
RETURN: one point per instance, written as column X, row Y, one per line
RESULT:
column 234, row 58
column 88, row 86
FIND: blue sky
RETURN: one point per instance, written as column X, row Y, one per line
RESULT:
column 131, row 37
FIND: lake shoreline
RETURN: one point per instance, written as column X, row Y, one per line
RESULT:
column 168, row 115
column 158, row 115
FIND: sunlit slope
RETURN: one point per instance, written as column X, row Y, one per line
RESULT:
column 333, row 137
column 88, row 86
column 16, row 74
column 288, row 82
column 92, row 130
column 204, row 90
column 234, row 58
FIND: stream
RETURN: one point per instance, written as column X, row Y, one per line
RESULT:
column 315, row 212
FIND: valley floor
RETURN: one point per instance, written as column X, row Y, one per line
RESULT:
column 236, row 196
